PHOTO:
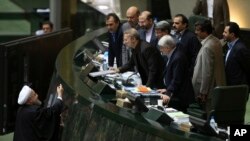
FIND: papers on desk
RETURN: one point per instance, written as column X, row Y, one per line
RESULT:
column 179, row 116
column 101, row 73
column 180, row 120
column 134, row 90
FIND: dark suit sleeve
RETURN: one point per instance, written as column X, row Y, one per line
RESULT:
column 128, row 66
column 179, row 67
column 111, row 55
column 243, row 57
column 47, row 121
column 153, row 59
column 194, row 50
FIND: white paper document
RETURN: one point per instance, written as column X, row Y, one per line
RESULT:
column 101, row 73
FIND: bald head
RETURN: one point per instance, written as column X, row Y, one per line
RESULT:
column 132, row 15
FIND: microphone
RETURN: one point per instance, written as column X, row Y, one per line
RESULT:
column 128, row 81
column 118, row 83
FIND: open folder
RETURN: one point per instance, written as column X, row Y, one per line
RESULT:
column 101, row 73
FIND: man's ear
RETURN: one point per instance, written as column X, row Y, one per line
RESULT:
column 29, row 101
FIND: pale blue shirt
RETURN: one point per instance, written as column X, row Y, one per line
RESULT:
column 230, row 46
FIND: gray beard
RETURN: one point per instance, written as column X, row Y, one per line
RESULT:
column 38, row 102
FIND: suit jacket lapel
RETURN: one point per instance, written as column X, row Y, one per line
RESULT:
column 231, row 52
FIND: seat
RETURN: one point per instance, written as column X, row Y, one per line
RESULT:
column 229, row 104
column 228, row 107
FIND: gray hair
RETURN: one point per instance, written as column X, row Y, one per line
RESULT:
column 164, row 26
column 132, row 33
column 167, row 41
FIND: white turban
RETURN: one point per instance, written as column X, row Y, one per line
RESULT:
column 24, row 95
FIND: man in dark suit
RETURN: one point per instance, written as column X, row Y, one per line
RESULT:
column 178, row 92
column 146, row 31
column 216, row 10
column 190, row 43
column 146, row 58
column 115, row 39
column 237, row 61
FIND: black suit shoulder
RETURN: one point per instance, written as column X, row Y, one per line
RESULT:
column 238, row 65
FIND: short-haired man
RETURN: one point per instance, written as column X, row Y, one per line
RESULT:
column 190, row 43
column 237, row 61
column 147, row 32
column 47, row 27
column 115, row 36
column 209, row 69
column 162, row 28
column 178, row 92
column 146, row 58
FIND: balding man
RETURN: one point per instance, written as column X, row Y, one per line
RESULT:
column 146, row 31
column 132, row 15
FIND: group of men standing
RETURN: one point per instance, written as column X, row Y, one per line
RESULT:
column 184, row 65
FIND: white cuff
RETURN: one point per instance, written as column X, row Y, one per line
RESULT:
column 59, row 98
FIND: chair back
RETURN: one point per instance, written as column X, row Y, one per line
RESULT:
column 229, row 104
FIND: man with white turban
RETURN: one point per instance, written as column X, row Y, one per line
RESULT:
column 35, row 123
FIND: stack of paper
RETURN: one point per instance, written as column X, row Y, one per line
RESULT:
column 179, row 116
column 101, row 73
